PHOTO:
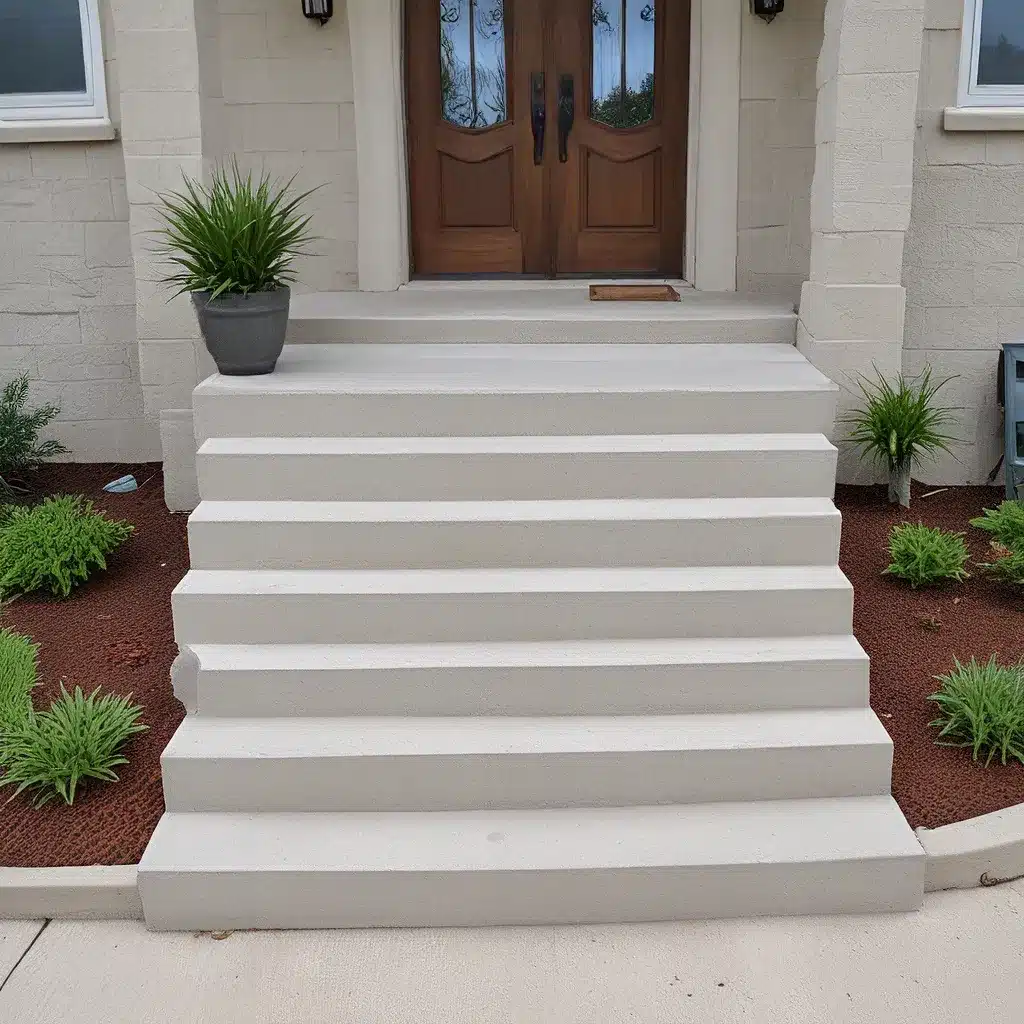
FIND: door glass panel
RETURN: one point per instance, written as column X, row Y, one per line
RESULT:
column 473, row 64
column 1001, row 52
column 623, row 62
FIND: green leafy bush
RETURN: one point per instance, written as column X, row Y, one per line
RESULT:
column 900, row 424
column 56, row 546
column 922, row 555
column 50, row 753
column 982, row 707
column 1005, row 523
column 234, row 235
column 1008, row 566
column 20, row 447
column 19, row 665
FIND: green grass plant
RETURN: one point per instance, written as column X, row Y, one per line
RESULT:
column 925, row 555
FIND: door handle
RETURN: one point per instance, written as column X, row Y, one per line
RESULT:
column 538, row 115
column 566, row 114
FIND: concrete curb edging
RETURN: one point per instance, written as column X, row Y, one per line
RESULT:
column 985, row 850
column 71, row 894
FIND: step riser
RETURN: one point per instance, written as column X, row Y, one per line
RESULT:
column 510, row 477
column 520, row 330
column 558, row 414
column 465, row 782
column 795, row 540
column 194, row 900
column 440, row 618
column 612, row 690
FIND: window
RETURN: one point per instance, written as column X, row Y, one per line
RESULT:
column 473, row 64
column 992, row 62
column 51, row 61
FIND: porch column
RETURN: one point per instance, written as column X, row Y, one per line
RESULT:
column 852, row 308
column 171, row 101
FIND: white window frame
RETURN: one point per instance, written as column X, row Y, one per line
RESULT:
column 90, row 106
column 970, row 93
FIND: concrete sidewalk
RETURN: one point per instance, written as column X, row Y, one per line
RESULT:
column 960, row 958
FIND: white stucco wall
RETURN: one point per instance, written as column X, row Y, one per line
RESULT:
column 777, row 104
column 287, row 86
column 67, row 292
column 963, row 268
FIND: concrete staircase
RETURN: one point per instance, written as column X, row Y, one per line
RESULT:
column 500, row 633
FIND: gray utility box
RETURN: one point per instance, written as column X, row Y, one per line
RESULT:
column 1013, row 399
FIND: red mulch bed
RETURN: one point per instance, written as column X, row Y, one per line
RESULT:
column 913, row 635
column 117, row 632
column 114, row 632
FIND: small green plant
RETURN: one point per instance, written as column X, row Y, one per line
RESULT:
column 233, row 236
column 19, row 666
column 982, row 707
column 899, row 425
column 20, row 447
column 50, row 753
column 1008, row 566
column 923, row 555
column 56, row 546
column 1005, row 523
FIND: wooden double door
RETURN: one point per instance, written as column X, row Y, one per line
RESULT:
column 547, row 136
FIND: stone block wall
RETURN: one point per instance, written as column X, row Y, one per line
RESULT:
column 777, row 107
column 67, row 290
column 964, row 265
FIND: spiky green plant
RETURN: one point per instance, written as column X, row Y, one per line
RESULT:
column 982, row 707
column 923, row 555
column 20, row 447
column 901, row 423
column 1005, row 523
column 51, row 753
column 1007, row 566
column 233, row 236
column 56, row 546
column 19, row 667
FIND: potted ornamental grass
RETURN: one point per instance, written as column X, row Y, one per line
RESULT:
column 232, row 245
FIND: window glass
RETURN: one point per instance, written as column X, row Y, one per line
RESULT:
column 473, row 65
column 623, row 62
column 41, row 48
column 1001, row 48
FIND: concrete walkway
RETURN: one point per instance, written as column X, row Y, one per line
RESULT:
column 961, row 958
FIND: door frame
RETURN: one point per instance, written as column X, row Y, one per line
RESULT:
column 376, row 35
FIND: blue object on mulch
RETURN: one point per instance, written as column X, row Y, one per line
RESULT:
column 122, row 485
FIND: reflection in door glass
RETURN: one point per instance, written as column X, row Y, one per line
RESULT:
column 473, row 64
column 623, row 63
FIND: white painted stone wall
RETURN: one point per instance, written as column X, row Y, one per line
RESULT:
column 67, row 291
column 287, row 86
column 777, row 104
column 963, row 266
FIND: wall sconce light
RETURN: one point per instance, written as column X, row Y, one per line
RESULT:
column 767, row 9
column 321, row 10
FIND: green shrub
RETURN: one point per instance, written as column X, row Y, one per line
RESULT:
column 51, row 753
column 1005, row 523
column 982, row 707
column 1008, row 566
column 19, row 664
column 20, row 447
column 233, row 236
column 922, row 555
column 899, row 425
column 56, row 546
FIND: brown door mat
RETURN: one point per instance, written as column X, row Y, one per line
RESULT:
column 633, row 293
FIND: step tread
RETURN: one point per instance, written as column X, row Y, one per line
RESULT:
column 259, row 738
column 393, row 369
column 713, row 579
column 525, row 444
column 596, row 653
column 756, row 833
column 510, row 511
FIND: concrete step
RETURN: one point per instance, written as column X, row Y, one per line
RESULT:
column 561, row 390
column 572, row 866
column 461, row 764
column 517, row 468
column 490, row 312
column 656, row 677
column 517, row 534
column 438, row 606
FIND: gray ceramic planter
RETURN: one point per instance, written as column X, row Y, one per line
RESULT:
column 244, row 333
